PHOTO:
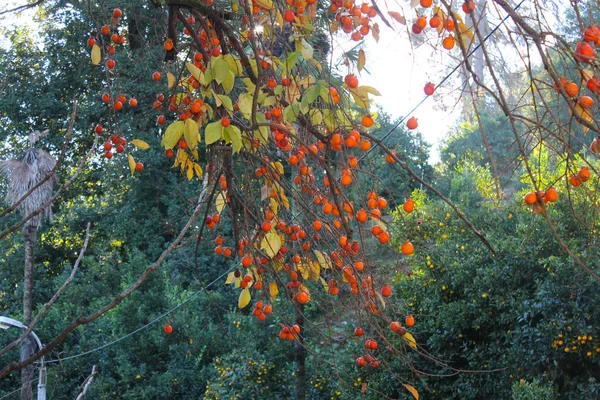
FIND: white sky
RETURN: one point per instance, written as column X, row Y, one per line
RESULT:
column 399, row 71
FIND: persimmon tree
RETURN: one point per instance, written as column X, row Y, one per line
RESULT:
column 248, row 107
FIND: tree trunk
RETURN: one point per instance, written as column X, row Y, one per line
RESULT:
column 300, row 356
column 27, row 346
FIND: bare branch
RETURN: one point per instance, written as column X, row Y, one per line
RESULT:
column 22, row 7
column 60, row 291
column 86, row 384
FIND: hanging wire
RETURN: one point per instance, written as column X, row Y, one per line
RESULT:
column 155, row 320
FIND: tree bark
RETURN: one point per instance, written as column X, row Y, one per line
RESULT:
column 27, row 347
column 300, row 356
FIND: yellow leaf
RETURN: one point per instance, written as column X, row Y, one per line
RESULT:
column 220, row 202
column 283, row 197
column 234, row 64
column 362, row 59
column 265, row 191
column 324, row 283
column 323, row 259
column 278, row 167
column 586, row 74
column 584, row 114
column 190, row 171
column 398, row 17
column 170, row 79
column 230, row 278
column 172, row 135
column 412, row 390
column 195, row 71
column 333, row 27
column 198, row 170
column 375, row 31
column 315, row 271
column 264, row 4
column 131, row 163
column 140, row 144
column 274, row 206
column 244, row 299
column 303, row 288
column 273, row 291
column 410, row 339
column 96, row 54
column 465, row 31
column 191, row 133
column 304, row 270
column 271, row 243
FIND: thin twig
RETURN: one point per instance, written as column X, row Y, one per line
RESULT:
column 60, row 291
column 86, row 384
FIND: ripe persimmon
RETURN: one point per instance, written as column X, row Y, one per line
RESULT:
column 408, row 206
column 584, row 174
column 586, row 102
column 412, row 123
column 435, row 21
column 448, row 42
column 386, row 291
column 530, row 198
column 302, row 298
column 367, row 121
column 407, row 248
column 551, row 195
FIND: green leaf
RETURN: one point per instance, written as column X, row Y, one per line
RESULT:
column 291, row 61
column 316, row 116
column 213, row 132
column 172, row 135
column 229, row 82
column 291, row 112
column 233, row 134
column 96, row 54
column 140, row 144
column 310, row 95
column 191, row 133
column 208, row 76
column 263, row 132
column 233, row 63
column 245, row 105
column 195, row 71
column 221, row 99
column 269, row 101
column 220, row 69
column 307, row 50
column 244, row 299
